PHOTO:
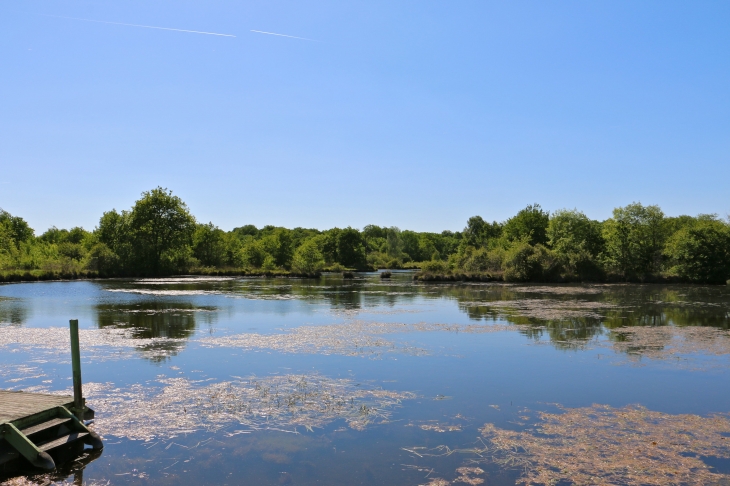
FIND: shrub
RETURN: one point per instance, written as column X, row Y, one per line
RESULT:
column 524, row 262
column 435, row 266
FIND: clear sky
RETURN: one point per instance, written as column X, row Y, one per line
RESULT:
column 417, row 114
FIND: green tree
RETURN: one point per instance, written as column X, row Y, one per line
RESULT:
column 209, row 245
column 478, row 232
column 577, row 242
column 635, row 236
column 351, row 248
column 253, row 253
column 162, row 229
column 15, row 229
column 307, row 257
column 530, row 223
column 700, row 252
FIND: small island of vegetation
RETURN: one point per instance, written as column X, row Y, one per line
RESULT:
column 159, row 236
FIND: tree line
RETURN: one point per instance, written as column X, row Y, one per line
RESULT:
column 159, row 236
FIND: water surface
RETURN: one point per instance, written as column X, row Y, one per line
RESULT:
column 359, row 381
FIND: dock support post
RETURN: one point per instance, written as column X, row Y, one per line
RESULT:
column 76, row 366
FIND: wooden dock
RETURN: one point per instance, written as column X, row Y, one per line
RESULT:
column 35, row 425
column 16, row 405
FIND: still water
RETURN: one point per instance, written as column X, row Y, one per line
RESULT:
column 378, row 381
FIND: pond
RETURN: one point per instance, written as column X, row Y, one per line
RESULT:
column 382, row 381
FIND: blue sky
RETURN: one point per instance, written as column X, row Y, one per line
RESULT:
column 417, row 114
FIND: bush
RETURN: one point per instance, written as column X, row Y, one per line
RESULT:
column 434, row 266
column 524, row 262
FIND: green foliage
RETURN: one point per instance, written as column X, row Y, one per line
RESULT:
column 634, row 238
column 159, row 236
column 577, row 243
column 162, row 229
column 524, row 262
column 435, row 267
column 479, row 233
column 351, row 249
column 700, row 252
column 529, row 224
column 13, row 230
column 210, row 245
column 307, row 258
column 253, row 254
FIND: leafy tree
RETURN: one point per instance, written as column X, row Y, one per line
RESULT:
column 351, row 248
column 530, row 223
column 209, row 245
column 634, row 238
column 162, row 229
column 700, row 252
column 253, row 254
column 278, row 244
column 307, row 258
column 15, row 228
column 478, row 232
column 247, row 230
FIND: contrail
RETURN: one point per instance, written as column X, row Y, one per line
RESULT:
column 284, row 35
column 143, row 26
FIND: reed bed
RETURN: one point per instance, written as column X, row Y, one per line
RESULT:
column 290, row 403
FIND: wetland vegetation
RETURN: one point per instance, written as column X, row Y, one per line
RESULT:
column 159, row 236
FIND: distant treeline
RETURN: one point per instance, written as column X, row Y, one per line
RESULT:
column 159, row 236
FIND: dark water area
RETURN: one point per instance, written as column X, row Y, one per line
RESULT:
column 364, row 380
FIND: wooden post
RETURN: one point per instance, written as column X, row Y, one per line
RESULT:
column 76, row 366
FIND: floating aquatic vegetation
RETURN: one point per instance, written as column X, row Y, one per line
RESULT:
column 604, row 445
column 673, row 343
column 436, row 426
column 279, row 402
column 561, row 289
column 14, row 374
column 182, row 280
column 466, row 475
column 96, row 344
column 355, row 338
column 546, row 309
column 670, row 341
column 166, row 292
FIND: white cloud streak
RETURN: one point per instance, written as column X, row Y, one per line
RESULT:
column 284, row 35
column 142, row 26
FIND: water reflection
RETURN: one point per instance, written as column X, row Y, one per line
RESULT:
column 175, row 322
column 12, row 311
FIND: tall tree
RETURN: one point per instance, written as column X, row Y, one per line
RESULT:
column 162, row 230
column 529, row 224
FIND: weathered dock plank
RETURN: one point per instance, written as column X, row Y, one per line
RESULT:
column 15, row 405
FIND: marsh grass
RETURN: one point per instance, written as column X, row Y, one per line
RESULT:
column 290, row 403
